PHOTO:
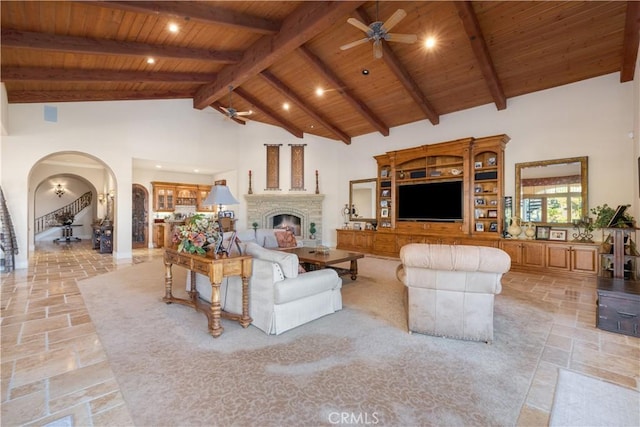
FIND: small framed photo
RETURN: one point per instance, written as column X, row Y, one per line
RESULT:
column 479, row 226
column 357, row 226
column 560, row 235
column 478, row 165
column 479, row 202
column 384, row 203
column 477, row 189
column 385, row 193
column 493, row 202
column 542, row 232
column 384, row 173
column 491, row 161
column 493, row 226
column 492, row 213
column 384, row 212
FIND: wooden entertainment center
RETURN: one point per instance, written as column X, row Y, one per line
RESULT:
column 478, row 164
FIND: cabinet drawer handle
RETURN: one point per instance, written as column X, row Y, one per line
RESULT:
column 623, row 314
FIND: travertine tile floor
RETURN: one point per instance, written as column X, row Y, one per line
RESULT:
column 53, row 365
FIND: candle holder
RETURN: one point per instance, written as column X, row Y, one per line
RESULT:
column 583, row 228
column 317, row 186
column 250, row 189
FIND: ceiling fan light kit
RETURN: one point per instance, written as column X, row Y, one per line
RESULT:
column 378, row 31
column 232, row 113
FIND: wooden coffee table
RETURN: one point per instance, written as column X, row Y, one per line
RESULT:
column 313, row 260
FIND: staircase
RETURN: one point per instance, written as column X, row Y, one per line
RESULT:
column 44, row 222
column 8, row 243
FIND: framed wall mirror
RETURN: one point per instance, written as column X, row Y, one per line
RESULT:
column 362, row 199
column 552, row 192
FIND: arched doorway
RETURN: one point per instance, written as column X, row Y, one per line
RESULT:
column 139, row 217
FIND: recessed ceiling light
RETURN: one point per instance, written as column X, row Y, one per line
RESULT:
column 319, row 91
column 173, row 27
column 430, row 42
column 286, row 106
column 196, row 170
column 159, row 166
column 365, row 72
column 151, row 61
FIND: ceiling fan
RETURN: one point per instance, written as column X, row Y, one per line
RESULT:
column 232, row 113
column 378, row 31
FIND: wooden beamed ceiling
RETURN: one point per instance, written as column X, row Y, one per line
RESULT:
column 271, row 53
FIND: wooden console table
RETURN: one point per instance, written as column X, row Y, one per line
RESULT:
column 216, row 270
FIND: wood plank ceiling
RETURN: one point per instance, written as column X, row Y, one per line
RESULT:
column 272, row 53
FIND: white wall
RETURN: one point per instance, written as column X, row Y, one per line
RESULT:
column 590, row 118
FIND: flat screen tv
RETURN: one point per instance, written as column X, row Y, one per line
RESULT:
column 433, row 201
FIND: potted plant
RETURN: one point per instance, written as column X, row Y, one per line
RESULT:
column 255, row 228
column 605, row 213
column 312, row 230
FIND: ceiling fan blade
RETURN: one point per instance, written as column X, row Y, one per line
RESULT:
column 241, row 118
column 359, row 25
column 397, row 16
column 402, row 38
column 353, row 44
column 377, row 49
column 225, row 109
column 244, row 113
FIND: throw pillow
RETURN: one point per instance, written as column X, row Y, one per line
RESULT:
column 278, row 275
column 286, row 239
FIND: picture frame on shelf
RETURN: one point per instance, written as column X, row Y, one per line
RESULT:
column 384, row 212
column 384, row 173
column 542, row 232
column 493, row 226
column 479, row 226
column 479, row 202
column 384, row 203
column 492, row 213
column 478, row 165
column 385, row 193
column 491, row 161
column 357, row 226
column 558, row 235
column 477, row 189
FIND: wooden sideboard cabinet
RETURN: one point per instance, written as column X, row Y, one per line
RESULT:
column 355, row 240
column 552, row 257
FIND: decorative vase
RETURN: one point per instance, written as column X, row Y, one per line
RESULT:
column 530, row 231
column 514, row 229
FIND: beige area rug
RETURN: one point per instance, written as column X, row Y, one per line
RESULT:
column 583, row 401
column 359, row 366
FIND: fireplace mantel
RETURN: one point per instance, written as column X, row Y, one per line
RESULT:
column 261, row 208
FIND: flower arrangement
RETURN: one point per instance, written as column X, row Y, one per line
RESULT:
column 65, row 217
column 197, row 234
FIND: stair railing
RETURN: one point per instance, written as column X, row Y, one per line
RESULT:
column 46, row 221
column 8, row 243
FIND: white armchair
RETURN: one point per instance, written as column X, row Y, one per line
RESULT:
column 279, row 297
column 451, row 288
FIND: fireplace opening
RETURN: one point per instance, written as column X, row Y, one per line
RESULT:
column 288, row 222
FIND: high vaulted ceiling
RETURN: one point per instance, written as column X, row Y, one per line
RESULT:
column 272, row 53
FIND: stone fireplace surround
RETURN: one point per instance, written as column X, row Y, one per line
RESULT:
column 261, row 208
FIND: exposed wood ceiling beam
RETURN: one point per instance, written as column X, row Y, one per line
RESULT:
column 631, row 41
column 195, row 11
column 340, row 86
column 217, row 106
column 264, row 109
column 284, row 89
column 28, row 96
column 480, row 50
column 71, row 44
column 403, row 76
column 304, row 23
column 84, row 75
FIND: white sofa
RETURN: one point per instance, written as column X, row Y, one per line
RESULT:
column 264, row 237
column 451, row 288
column 279, row 297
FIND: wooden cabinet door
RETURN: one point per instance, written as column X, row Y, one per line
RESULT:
column 584, row 259
column 558, row 256
column 513, row 248
column 532, row 254
column 345, row 239
column 362, row 241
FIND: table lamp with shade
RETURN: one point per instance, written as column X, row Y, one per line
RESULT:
column 220, row 195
